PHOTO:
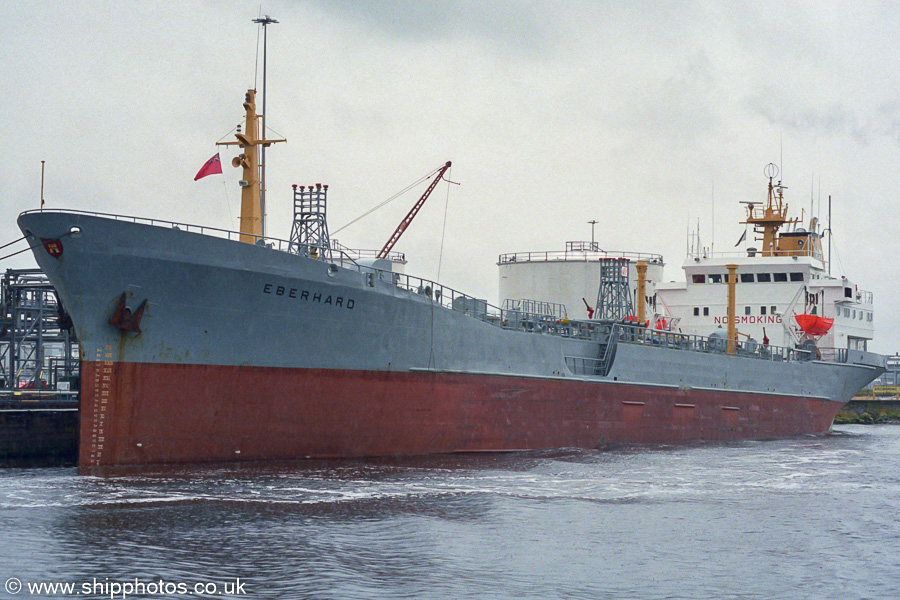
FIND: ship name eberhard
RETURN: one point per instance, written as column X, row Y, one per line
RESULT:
column 307, row 296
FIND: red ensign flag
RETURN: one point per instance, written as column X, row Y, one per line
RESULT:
column 212, row 166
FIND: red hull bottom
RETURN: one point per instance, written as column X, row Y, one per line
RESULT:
column 134, row 413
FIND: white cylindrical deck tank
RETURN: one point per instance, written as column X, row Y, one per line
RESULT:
column 568, row 276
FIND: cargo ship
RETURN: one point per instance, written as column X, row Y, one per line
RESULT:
column 205, row 345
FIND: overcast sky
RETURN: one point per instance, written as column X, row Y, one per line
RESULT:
column 641, row 115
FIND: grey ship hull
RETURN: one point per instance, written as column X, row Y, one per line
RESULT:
column 249, row 352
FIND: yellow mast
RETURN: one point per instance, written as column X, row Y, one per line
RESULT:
column 732, row 326
column 249, row 142
column 768, row 220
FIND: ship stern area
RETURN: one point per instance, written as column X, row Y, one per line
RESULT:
column 865, row 368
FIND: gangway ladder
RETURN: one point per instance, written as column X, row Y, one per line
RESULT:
column 607, row 352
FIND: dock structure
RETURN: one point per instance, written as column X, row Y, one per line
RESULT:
column 39, row 370
column 889, row 381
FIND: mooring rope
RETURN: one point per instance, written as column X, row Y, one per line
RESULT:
column 20, row 251
column 13, row 242
column 30, row 247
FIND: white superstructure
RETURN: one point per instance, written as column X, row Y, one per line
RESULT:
column 784, row 278
column 769, row 291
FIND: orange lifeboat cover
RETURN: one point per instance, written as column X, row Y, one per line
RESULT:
column 814, row 324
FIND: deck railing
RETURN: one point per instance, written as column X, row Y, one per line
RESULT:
column 364, row 254
column 516, row 319
column 603, row 332
column 577, row 252
column 700, row 254
column 633, row 334
column 266, row 241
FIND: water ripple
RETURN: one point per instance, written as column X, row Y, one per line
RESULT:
column 743, row 520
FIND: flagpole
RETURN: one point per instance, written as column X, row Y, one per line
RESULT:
column 42, row 185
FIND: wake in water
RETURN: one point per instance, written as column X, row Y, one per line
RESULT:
column 743, row 520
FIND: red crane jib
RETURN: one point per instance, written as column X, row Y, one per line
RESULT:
column 412, row 213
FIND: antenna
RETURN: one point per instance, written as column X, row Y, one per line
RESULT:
column 781, row 155
column 812, row 198
column 819, row 200
column 829, row 235
column 592, row 223
column 42, row 184
column 712, row 244
column 699, row 243
column 264, row 21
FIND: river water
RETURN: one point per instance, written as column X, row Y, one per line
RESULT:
column 814, row 517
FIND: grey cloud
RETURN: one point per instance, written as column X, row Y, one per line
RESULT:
column 508, row 23
column 832, row 119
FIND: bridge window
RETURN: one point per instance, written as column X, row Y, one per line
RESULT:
column 796, row 276
column 763, row 277
column 746, row 277
column 780, row 276
column 698, row 278
column 715, row 278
